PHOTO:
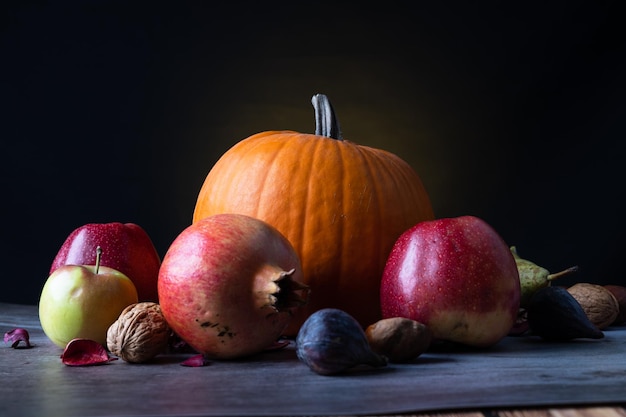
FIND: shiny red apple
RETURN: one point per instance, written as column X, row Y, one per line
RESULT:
column 455, row 275
column 126, row 247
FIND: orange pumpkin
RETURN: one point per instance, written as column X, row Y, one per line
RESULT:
column 341, row 205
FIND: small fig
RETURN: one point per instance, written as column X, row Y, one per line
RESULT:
column 555, row 315
column 331, row 341
column 399, row 339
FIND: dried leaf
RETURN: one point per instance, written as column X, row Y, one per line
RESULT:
column 85, row 352
column 196, row 361
column 16, row 336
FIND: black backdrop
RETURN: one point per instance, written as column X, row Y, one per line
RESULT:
column 116, row 111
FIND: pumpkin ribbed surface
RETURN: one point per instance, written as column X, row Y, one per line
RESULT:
column 341, row 205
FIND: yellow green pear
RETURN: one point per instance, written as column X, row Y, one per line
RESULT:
column 533, row 277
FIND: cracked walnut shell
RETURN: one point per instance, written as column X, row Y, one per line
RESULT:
column 599, row 303
column 139, row 334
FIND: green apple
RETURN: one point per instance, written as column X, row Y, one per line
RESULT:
column 82, row 301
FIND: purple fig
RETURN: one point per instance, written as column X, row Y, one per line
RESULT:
column 331, row 341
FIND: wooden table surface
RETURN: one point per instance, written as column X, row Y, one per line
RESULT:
column 519, row 377
column 603, row 411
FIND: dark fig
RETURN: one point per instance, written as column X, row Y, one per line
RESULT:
column 555, row 315
column 331, row 341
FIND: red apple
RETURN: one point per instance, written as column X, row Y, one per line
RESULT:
column 229, row 285
column 126, row 247
column 455, row 275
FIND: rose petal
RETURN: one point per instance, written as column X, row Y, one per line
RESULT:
column 178, row 345
column 85, row 352
column 16, row 336
column 196, row 361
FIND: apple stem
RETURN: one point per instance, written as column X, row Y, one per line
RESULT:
column 98, row 254
column 564, row 272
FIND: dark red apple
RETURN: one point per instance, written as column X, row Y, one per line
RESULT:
column 455, row 275
column 126, row 247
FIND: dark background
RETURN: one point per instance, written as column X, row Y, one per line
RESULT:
column 116, row 111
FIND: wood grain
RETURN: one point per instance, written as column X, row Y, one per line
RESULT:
column 519, row 377
column 543, row 412
column 567, row 412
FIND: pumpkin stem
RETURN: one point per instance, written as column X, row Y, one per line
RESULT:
column 326, row 123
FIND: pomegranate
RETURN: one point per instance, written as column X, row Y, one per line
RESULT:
column 229, row 284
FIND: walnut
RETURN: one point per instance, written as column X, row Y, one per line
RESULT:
column 399, row 339
column 599, row 303
column 139, row 334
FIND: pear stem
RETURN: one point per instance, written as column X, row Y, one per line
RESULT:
column 98, row 254
column 567, row 271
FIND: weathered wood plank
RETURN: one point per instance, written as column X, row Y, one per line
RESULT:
column 518, row 373
column 567, row 412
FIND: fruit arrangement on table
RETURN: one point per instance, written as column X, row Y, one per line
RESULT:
column 315, row 240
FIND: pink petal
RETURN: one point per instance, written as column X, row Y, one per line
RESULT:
column 16, row 336
column 85, row 352
column 196, row 361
